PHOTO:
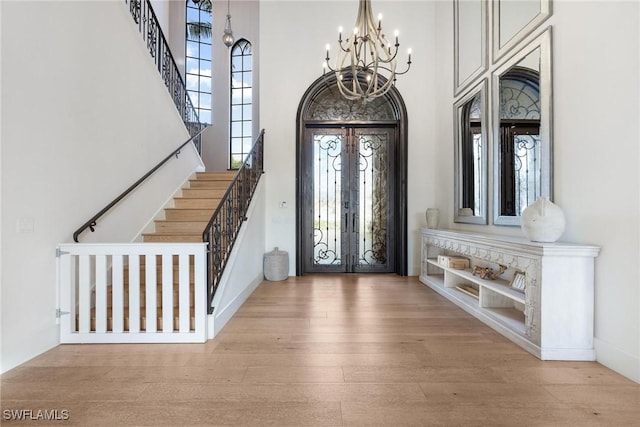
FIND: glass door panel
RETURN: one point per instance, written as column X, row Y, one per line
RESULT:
column 327, row 198
column 373, row 199
column 349, row 201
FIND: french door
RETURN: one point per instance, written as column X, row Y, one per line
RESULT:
column 348, row 200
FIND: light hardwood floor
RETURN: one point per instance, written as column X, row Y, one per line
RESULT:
column 344, row 350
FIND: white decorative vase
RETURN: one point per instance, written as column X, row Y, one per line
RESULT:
column 543, row 221
column 433, row 216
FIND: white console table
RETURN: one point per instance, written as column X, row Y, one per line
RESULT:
column 552, row 318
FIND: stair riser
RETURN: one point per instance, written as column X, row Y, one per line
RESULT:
column 216, row 176
column 203, row 193
column 188, row 214
column 218, row 185
column 182, row 203
column 180, row 226
column 176, row 238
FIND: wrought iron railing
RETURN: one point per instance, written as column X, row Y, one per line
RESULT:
column 222, row 229
column 144, row 16
column 91, row 224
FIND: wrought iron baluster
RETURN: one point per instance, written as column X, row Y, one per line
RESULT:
column 223, row 228
column 144, row 16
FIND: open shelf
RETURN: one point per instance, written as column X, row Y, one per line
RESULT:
column 498, row 286
column 509, row 317
column 567, row 270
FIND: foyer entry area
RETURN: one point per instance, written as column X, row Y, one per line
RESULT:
column 325, row 350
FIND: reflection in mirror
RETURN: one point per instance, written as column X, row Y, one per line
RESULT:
column 471, row 158
column 514, row 20
column 519, row 139
column 522, row 156
column 470, row 41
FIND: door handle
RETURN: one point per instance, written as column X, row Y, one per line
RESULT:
column 353, row 222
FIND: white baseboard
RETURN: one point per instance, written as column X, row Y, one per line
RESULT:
column 238, row 276
column 618, row 360
column 221, row 316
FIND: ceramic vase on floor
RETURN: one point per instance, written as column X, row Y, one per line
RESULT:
column 433, row 216
column 543, row 221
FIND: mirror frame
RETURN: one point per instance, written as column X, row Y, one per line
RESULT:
column 500, row 51
column 480, row 88
column 542, row 42
column 461, row 82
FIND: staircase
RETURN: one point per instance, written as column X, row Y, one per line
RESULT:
column 183, row 223
column 186, row 221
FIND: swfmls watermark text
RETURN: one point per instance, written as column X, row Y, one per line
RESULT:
column 35, row 414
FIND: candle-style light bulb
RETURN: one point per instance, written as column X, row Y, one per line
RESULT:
column 397, row 33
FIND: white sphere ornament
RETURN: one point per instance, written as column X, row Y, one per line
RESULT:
column 543, row 221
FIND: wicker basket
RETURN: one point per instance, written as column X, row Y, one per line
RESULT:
column 276, row 265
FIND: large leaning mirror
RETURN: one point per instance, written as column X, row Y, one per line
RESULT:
column 470, row 35
column 513, row 20
column 470, row 204
column 522, row 130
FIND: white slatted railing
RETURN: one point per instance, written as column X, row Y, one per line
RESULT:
column 137, row 292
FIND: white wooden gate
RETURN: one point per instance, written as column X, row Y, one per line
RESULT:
column 132, row 293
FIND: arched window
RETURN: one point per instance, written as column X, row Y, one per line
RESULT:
column 240, row 133
column 198, row 57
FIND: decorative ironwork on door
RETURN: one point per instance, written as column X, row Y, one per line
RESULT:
column 349, row 200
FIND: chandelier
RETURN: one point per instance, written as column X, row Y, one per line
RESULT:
column 365, row 66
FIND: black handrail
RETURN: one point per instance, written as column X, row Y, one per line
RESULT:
column 92, row 222
column 222, row 229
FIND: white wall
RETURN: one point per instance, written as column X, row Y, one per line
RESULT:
column 84, row 114
column 596, row 136
column 244, row 270
column 245, row 23
column 596, row 133
column 293, row 36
